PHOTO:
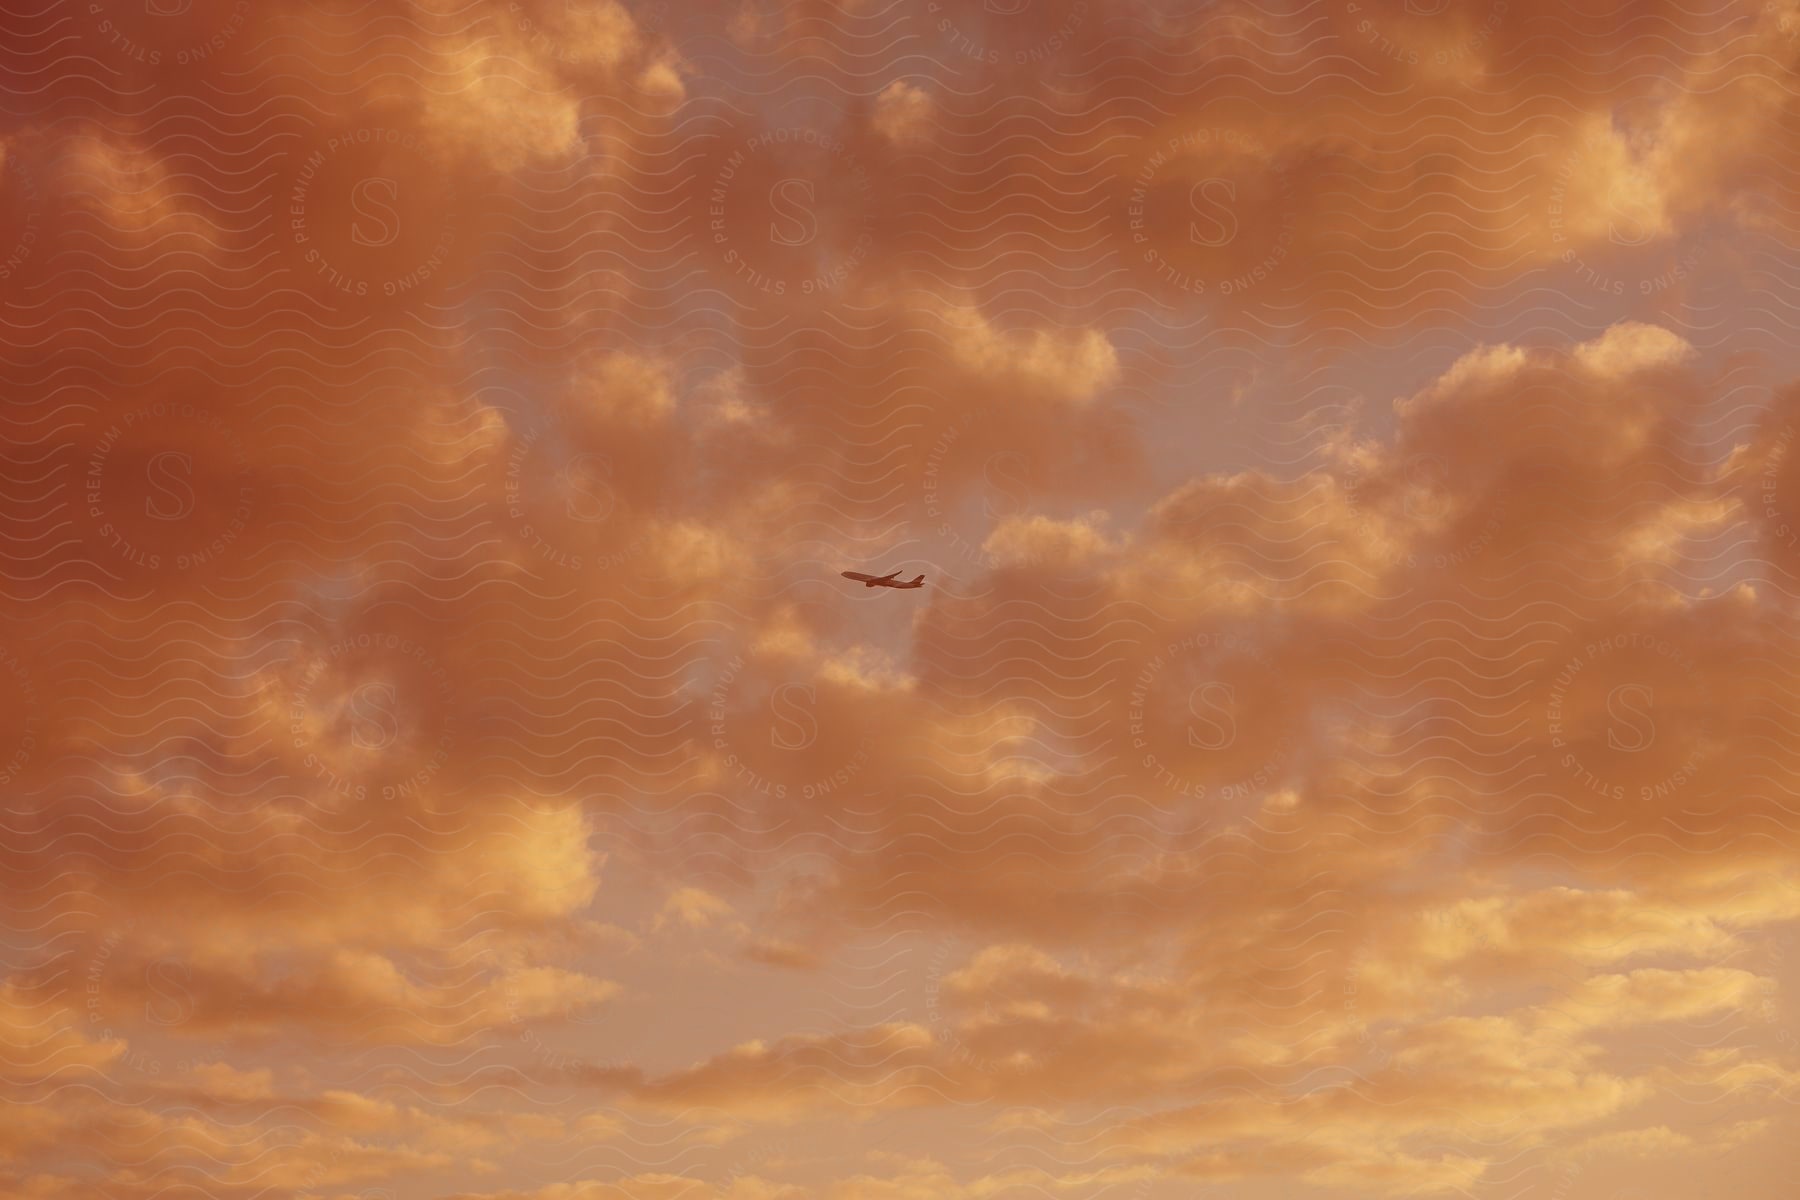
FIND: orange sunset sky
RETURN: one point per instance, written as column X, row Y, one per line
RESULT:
column 1345, row 746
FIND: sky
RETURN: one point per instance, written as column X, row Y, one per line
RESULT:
column 1343, row 746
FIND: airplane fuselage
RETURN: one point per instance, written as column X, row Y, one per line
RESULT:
column 890, row 580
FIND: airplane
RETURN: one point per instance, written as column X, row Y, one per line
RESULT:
column 883, row 580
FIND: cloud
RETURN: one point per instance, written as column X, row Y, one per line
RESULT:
column 692, row 908
column 1070, row 367
column 903, row 114
column 649, row 1186
column 1342, row 738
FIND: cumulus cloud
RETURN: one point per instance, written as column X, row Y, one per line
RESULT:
column 1342, row 739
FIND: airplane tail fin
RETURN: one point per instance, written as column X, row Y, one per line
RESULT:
column 918, row 579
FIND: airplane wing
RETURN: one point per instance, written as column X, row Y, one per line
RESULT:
column 890, row 575
column 857, row 575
